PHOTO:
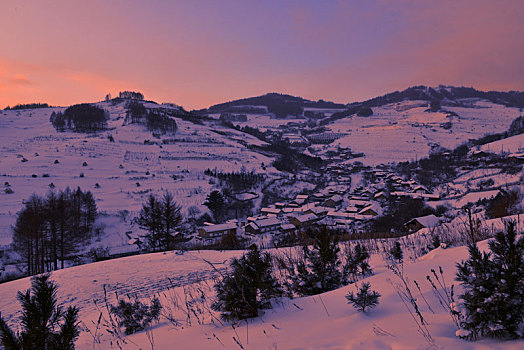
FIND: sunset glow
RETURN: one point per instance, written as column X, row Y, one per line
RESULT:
column 197, row 53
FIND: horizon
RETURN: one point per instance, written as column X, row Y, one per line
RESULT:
column 200, row 54
column 314, row 99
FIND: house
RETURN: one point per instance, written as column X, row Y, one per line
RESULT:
column 298, row 201
column 359, row 203
column 270, row 211
column 214, row 231
column 428, row 221
column 420, row 189
column 303, row 221
column 269, row 225
column 371, row 210
column 333, row 201
column 287, row 228
column 317, row 210
column 340, row 215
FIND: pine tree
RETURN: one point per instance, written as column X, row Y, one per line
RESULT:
column 150, row 220
column 396, row 253
column 215, row 202
column 44, row 324
column 171, row 219
column 364, row 299
column 319, row 271
column 160, row 219
column 249, row 287
column 356, row 263
column 494, row 288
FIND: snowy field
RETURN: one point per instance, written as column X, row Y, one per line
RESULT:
column 404, row 131
column 121, row 174
column 323, row 321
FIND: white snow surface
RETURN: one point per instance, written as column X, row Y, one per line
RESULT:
column 324, row 321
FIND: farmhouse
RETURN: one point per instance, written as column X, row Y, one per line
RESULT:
column 304, row 221
column 214, row 231
column 269, row 225
column 371, row 210
column 428, row 221
column 270, row 211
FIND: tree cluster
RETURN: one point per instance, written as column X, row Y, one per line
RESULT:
column 158, row 121
column 48, row 230
column 131, row 95
column 161, row 219
column 154, row 120
column 239, row 181
column 504, row 203
column 27, row 106
column 399, row 212
column 80, row 118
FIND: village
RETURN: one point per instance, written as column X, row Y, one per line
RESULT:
column 337, row 207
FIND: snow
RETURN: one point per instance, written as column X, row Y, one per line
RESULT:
column 404, row 131
column 126, row 171
column 324, row 321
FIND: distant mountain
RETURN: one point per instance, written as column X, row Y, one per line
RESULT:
column 441, row 95
column 447, row 94
column 279, row 104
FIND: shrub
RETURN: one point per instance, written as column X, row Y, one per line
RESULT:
column 396, row 253
column 364, row 299
column 44, row 324
column 319, row 270
column 356, row 263
column 249, row 287
column 493, row 285
column 136, row 316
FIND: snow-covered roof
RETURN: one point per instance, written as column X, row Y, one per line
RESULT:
column 376, row 208
column 426, row 221
column 219, row 227
column 287, row 227
column 270, row 210
column 267, row 222
column 306, row 217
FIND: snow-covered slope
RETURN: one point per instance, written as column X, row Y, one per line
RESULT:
column 406, row 131
column 121, row 173
column 324, row 321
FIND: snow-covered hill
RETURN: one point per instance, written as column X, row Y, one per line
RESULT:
column 407, row 131
column 323, row 321
column 122, row 173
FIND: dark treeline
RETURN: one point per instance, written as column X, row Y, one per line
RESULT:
column 155, row 120
column 27, row 106
column 48, row 230
column 291, row 159
column 80, row 118
column 132, row 95
column 281, row 105
column 237, row 180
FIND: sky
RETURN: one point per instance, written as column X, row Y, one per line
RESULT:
column 201, row 52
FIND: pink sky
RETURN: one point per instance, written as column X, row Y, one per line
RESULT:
column 198, row 53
